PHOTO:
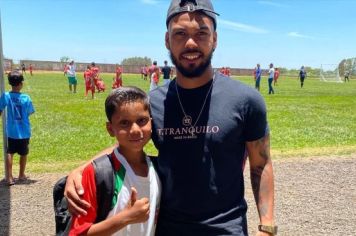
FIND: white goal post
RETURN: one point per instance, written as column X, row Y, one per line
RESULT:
column 330, row 73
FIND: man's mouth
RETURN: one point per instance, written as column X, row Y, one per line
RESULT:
column 191, row 56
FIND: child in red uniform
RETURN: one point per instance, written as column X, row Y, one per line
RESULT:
column 31, row 70
column 276, row 76
column 118, row 78
column 89, row 83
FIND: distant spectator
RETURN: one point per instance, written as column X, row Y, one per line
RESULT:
column 270, row 79
column 302, row 76
column 346, row 75
column 72, row 79
column 23, row 68
column 258, row 73
column 167, row 71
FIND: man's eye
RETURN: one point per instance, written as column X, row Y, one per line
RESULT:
column 180, row 33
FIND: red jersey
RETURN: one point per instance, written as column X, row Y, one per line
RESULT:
column 118, row 72
column 276, row 74
column 87, row 78
column 94, row 72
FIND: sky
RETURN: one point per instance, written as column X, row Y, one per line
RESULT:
column 288, row 33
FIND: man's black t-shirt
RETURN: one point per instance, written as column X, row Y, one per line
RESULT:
column 201, row 166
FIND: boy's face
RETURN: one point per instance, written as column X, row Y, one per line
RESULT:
column 131, row 125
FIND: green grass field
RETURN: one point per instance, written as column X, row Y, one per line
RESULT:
column 67, row 129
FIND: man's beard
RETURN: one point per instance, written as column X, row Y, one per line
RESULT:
column 192, row 72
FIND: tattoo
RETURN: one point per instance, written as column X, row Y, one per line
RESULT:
column 260, row 177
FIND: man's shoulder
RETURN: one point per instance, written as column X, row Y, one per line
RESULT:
column 235, row 89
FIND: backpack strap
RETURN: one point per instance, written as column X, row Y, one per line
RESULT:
column 104, row 178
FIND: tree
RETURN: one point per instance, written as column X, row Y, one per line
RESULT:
column 64, row 59
column 136, row 61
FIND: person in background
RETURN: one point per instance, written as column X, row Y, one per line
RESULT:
column 167, row 71
column 31, row 69
column 18, row 128
column 275, row 77
column 346, row 75
column 72, row 79
column 23, row 68
column 302, row 76
column 89, row 82
column 258, row 74
column 270, row 79
column 155, row 78
column 118, row 77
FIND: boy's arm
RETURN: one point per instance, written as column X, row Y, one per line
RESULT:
column 74, row 190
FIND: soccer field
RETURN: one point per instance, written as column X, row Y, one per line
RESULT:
column 68, row 129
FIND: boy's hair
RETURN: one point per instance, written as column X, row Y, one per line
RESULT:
column 15, row 78
column 123, row 95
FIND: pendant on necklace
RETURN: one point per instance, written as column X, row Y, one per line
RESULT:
column 187, row 120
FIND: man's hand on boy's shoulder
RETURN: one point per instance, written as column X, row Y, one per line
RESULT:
column 73, row 192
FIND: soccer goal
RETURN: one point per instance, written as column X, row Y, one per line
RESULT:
column 330, row 73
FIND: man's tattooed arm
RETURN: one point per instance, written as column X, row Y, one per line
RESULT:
column 262, row 179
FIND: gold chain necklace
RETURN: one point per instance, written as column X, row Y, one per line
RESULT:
column 187, row 120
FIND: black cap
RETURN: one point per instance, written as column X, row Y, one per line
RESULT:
column 179, row 6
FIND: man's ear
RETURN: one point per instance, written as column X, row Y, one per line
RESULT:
column 109, row 129
column 167, row 40
column 215, row 40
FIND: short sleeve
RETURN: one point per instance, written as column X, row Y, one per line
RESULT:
column 256, row 119
column 80, row 225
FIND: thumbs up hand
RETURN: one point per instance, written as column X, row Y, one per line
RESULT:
column 138, row 209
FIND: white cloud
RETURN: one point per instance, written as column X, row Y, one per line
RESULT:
column 298, row 35
column 274, row 4
column 241, row 27
column 150, row 2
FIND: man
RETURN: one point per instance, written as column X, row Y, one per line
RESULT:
column 258, row 73
column 167, row 71
column 72, row 79
column 270, row 79
column 302, row 76
column 346, row 75
column 202, row 142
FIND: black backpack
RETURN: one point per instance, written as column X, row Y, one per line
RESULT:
column 104, row 178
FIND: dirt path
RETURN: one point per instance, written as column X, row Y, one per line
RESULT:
column 314, row 196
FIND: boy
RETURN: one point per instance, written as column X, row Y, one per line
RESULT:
column 276, row 76
column 117, row 80
column 89, row 83
column 154, row 78
column 18, row 128
column 137, row 196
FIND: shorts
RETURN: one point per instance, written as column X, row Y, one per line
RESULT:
column 72, row 80
column 19, row 146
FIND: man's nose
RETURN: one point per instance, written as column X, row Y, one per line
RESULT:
column 191, row 43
